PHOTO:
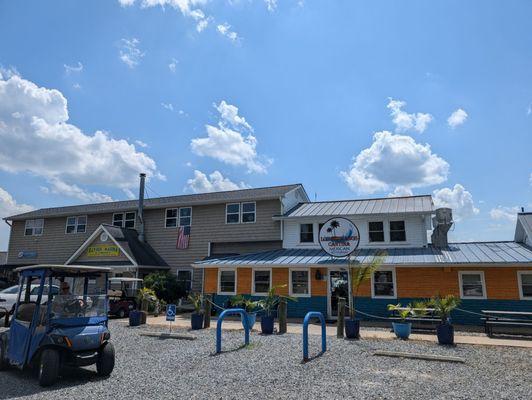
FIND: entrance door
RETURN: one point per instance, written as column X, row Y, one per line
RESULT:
column 338, row 287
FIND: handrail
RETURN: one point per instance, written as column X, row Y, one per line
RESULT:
column 225, row 313
column 314, row 314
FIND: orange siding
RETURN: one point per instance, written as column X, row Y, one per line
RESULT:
column 243, row 281
column 211, row 280
column 280, row 278
column 318, row 288
column 426, row 282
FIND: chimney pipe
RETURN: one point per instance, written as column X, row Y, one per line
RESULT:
column 522, row 209
column 140, row 212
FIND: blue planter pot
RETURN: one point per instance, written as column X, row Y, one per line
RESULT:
column 250, row 320
column 402, row 329
column 134, row 318
column 196, row 321
column 266, row 324
column 445, row 333
column 352, row 328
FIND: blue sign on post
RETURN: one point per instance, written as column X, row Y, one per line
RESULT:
column 170, row 312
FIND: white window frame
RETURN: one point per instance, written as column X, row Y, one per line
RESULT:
column 394, row 279
column 248, row 212
column 291, row 293
column 124, row 219
column 220, row 282
column 313, row 234
column 76, row 224
column 167, row 218
column 482, row 281
column 390, row 231
column 520, row 284
column 383, row 232
column 253, row 292
column 33, row 227
column 239, row 213
column 179, row 216
column 191, row 270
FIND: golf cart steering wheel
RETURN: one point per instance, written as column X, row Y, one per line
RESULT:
column 75, row 306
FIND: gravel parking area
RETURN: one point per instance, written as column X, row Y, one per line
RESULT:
column 271, row 367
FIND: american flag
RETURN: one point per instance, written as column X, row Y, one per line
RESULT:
column 183, row 237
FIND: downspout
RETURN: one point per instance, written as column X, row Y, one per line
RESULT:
column 140, row 212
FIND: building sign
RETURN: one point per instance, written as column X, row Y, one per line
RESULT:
column 339, row 237
column 103, row 250
column 27, row 254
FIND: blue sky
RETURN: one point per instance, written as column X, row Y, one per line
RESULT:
column 353, row 99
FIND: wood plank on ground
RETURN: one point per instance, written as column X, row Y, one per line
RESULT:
column 419, row 356
column 168, row 335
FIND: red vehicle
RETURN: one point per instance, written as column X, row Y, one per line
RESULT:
column 123, row 295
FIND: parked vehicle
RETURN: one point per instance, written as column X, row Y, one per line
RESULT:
column 123, row 300
column 8, row 297
column 71, row 328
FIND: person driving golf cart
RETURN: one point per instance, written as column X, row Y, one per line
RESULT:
column 66, row 304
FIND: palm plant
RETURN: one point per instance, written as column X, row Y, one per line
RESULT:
column 403, row 312
column 197, row 302
column 146, row 297
column 443, row 306
column 270, row 301
column 247, row 304
column 361, row 274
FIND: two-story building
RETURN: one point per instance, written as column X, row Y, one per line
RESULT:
column 164, row 233
column 485, row 275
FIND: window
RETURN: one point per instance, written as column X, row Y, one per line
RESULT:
column 248, row 213
column 299, row 283
column 232, row 213
column 524, row 279
column 184, row 277
column 383, row 284
column 76, row 224
column 171, row 218
column 472, row 285
column 306, row 233
column 185, row 216
column 34, row 227
column 376, row 231
column 397, row 231
column 226, row 281
column 125, row 220
column 261, row 281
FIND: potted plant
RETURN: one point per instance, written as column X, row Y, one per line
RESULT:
column 442, row 307
column 249, row 306
column 145, row 297
column 196, row 318
column 357, row 276
column 402, row 329
column 268, row 304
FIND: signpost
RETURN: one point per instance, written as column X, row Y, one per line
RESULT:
column 170, row 314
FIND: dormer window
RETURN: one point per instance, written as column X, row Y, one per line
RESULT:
column 376, row 231
column 397, row 231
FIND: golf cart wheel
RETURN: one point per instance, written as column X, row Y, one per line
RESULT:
column 106, row 360
column 48, row 367
column 3, row 360
column 121, row 313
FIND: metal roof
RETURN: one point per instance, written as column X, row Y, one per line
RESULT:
column 266, row 193
column 510, row 253
column 387, row 205
column 523, row 227
column 69, row 269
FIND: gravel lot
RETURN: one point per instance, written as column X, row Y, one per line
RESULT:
column 271, row 368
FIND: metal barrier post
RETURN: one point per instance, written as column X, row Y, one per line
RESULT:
column 314, row 314
column 224, row 314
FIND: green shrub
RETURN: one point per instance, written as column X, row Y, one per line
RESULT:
column 166, row 286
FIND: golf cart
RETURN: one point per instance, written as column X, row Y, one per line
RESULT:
column 124, row 299
column 70, row 329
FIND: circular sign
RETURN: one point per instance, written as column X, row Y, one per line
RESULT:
column 103, row 237
column 339, row 237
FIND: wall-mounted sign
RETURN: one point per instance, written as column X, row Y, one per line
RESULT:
column 27, row 254
column 103, row 250
column 339, row 237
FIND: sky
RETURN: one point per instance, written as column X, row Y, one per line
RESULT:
column 353, row 99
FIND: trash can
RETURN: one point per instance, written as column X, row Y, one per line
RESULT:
column 134, row 318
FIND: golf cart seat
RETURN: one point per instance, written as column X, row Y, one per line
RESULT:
column 26, row 310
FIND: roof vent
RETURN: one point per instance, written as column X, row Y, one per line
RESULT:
column 441, row 222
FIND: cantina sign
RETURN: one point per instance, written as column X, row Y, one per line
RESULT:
column 339, row 237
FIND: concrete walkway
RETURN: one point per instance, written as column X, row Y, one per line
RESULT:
column 183, row 321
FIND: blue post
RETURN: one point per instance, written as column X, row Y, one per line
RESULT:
column 314, row 314
column 224, row 314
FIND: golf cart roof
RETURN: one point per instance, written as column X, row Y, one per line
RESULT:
column 66, row 269
column 123, row 279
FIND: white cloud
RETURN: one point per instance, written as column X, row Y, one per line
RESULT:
column 508, row 214
column 225, row 30
column 529, row 109
column 126, row 3
column 226, row 143
column 201, row 183
column 404, row 121
column 71, row 190
column 395, row 161
column 457, row 118
column 76, row 86
column 8, row 207
column 401, row 191
column 457, row 198
column 73, row 68
column 173, row 65
column 37, row 139
column 168, row 106
column 130, row 54
column 140, row 143
column 271, row 4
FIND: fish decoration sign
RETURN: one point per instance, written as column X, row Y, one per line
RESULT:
column 339, row 237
